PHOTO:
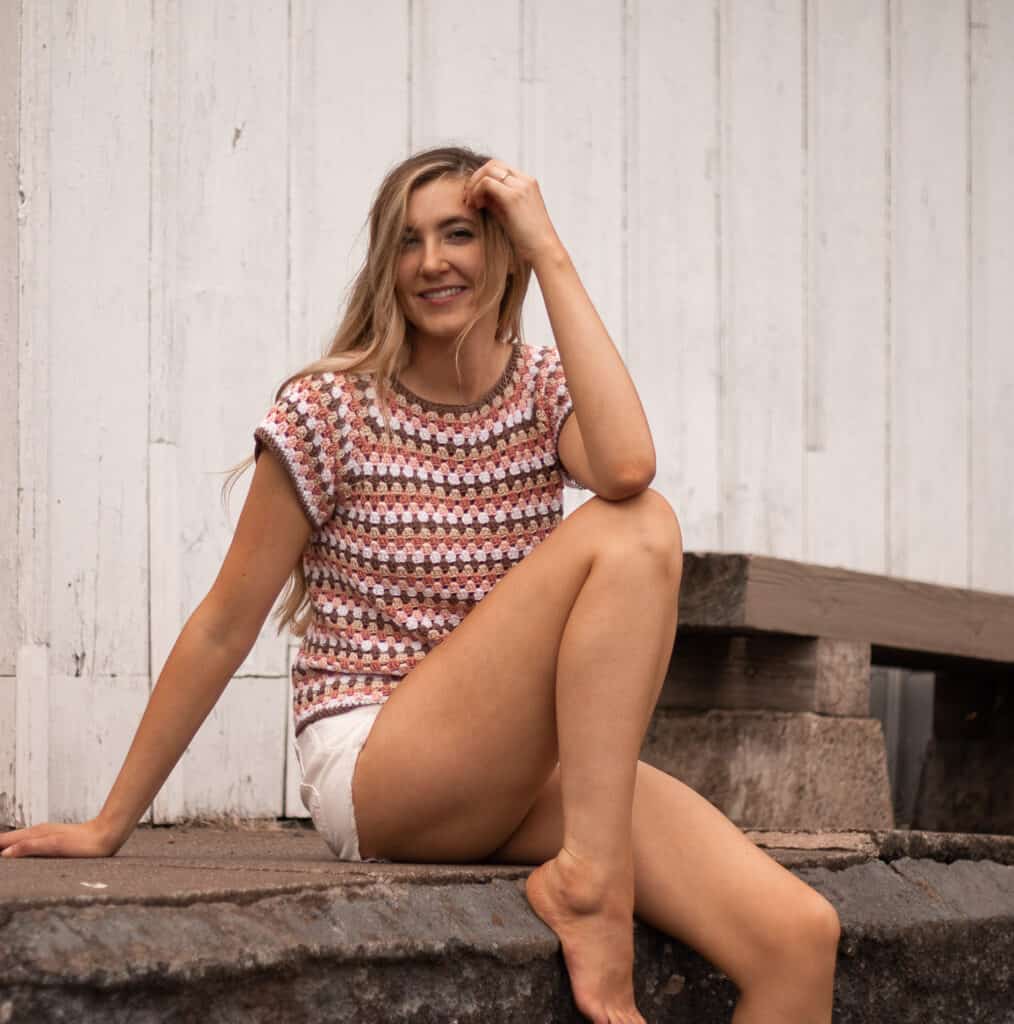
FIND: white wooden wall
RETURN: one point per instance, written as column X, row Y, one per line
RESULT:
column 796, row 218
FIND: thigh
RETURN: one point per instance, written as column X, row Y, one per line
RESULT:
column 463, row 746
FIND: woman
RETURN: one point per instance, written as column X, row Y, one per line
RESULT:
column 447, row 709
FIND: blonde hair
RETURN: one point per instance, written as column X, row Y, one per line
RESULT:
column 372, row 336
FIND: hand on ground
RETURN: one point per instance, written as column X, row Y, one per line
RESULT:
column 49, row 839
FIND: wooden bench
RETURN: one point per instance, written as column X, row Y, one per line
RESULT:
column 766, row 705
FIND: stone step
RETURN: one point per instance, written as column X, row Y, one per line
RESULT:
column 216, row 925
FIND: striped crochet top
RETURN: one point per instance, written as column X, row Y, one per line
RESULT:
column 409, row 536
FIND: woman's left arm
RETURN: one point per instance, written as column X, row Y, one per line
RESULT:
column 606, row 441
column 613, row 430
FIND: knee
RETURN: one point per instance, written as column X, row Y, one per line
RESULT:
column 805, row 944
column 650, row 523
column 820, row 927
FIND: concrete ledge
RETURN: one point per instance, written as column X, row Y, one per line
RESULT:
column 923, row 941
column 213, row 925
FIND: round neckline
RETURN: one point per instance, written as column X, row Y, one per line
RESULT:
column 498, row 388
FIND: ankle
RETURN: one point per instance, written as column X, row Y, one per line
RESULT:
column 590, row 880
column 605, row 863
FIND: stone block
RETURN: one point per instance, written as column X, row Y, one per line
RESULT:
column 766, row 672
column 778, row 770
column 967, row 786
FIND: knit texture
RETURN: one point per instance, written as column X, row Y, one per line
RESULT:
column 409, row 536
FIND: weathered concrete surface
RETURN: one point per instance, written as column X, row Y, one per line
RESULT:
column 211, row 925
column 770, row 769
column 923, row 941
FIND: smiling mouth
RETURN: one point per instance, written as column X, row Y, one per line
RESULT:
column 441, row 295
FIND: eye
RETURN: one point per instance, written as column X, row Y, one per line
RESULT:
column 458, row 233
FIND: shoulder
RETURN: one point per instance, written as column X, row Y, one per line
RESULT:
column 548, row 375
column 541, row 362
column 323, row 387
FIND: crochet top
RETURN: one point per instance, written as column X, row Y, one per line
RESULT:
column 409, row 536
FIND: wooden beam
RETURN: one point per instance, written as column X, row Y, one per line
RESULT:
column 756, row 593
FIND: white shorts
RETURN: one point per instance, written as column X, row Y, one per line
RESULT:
column 327, row 751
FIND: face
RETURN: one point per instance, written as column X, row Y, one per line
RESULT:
column 441, row 248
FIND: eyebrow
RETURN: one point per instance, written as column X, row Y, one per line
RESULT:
column 446, row 222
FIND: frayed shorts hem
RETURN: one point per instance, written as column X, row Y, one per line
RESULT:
column 327, row 751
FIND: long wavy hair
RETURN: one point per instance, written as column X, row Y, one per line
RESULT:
column 372, row 337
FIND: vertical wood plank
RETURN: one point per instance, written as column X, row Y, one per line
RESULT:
column 340, row 91
column 672, row 244
column 235, row 764
column 465, row 76
column 10, row 206
column 846, row 337
column 929, row 293
column 762, row 270
column 99, row 139
column 92, row 743
column 992, row 297
column 165, row 343
column 348, row 124
column 9, row 815
column 573, row 142
column 31, row 697
column 220, row 134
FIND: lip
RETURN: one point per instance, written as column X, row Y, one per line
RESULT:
column 447, row 299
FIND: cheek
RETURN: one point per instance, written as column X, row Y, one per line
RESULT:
column 402, row 290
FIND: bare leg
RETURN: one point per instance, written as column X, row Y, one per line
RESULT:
column 595, row 608
column 606, row 691
column 699, row 879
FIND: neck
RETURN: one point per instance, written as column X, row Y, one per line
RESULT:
column 431, row 372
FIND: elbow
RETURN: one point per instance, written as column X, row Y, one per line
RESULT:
column 632, row 482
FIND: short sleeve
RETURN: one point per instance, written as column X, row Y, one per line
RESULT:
column 558, row 404
column 303, row 429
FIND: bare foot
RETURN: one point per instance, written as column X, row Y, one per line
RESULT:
column 593, row 918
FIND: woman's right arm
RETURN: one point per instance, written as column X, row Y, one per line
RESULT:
column 269, row 539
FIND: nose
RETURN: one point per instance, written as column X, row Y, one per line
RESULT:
column 433, row 260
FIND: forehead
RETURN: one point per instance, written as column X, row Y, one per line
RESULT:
column 437, row 203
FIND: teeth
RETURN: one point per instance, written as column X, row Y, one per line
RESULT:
column 443, row 292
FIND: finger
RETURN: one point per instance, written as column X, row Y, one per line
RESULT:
column 473, row 186
column 15, row 835
column 39, row 846
column 492, row 169
column 476, row 198
column 493, row 189
column 477, row 175
column 19, row 836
